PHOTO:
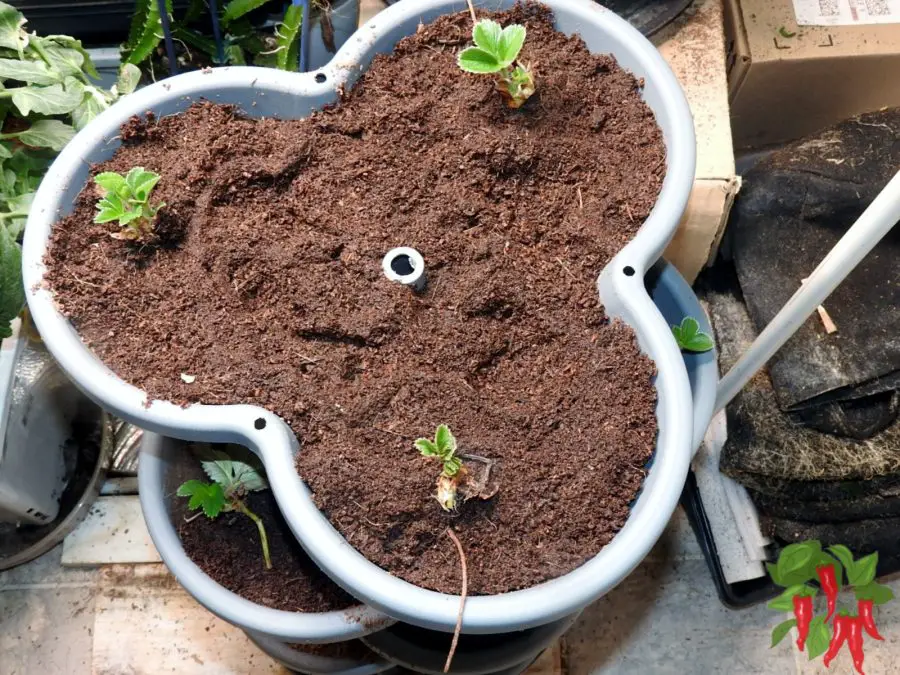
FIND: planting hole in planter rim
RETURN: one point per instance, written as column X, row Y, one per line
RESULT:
column 265, row 93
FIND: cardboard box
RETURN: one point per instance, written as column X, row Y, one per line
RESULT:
column 694, row 46
column 788, row 80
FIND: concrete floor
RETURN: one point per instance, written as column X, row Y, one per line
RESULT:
column 664, row 619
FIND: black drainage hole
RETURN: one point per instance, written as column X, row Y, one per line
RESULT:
column 320, row 77
column 402, row 265
column 260, row 423
column 629, row 271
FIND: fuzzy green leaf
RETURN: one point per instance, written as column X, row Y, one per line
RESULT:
column 17, row 213
column 444, row 440
column 110, row 181
column 476, row 60
column 781, row 630
column 32, row 72
column 128, row 80
column 486, row 35
column 452, row 465
column 511, row 40
column 12, row 290
column 690, row 338
column 67, row 41
column 93, row 103
column 287, row 38
column 12, row 35
column 65, row 60
column 426, row 447
column 140, row 182
column 238, row 8
column 208, row 496
column 56, row 99
column 51, row 134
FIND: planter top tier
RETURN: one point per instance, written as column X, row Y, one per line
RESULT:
column 269, row 93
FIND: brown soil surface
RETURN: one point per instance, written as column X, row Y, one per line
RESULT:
column 266, row 285
column 228, row 549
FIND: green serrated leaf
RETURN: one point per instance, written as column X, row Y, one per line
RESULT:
column 70, row 42
column 109, row 181
column 863, row 571
column 12, row 35
column 56, row 99
column 149, row 35
column 32, row 72
column 189, row 488
column 426, row 447
column 235, row 9
column 444, row 440
column 781, row 630
column 690, row 338
column 138, row 21
column 511, row 40
column 287, row 38
column 51, row 134
column 818, row 638
column 92, row 105
column 12, row 289
column 128, row 80
column 452, row 466
column 476, row 60
column 65, row 60
column 699, row 343
column 141, row 182
column 486, row 35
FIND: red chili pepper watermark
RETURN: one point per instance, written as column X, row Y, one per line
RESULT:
column 803, row 570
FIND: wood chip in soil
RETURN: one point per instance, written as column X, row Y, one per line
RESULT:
column 265, row 284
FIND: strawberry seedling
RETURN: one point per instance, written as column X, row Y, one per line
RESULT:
column 495, row 52
column 127, row 200
column 690, row 338
column 444, row 448
column 230, row 482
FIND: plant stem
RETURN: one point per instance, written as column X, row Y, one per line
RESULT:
column 462, row 598
column 240, row 506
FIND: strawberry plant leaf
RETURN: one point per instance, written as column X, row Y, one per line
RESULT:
column 486, row 35
column 699, row 343
column 818, row 638
column 51, row 134
column 12, row 289
column 444, row 440
column 781, row 630
column 426, row 447
column 30, row 72
column 476, row 60
column 233, row 475
column 690, row 338
column 109, row 181
column 208, row 496
column 511, row 40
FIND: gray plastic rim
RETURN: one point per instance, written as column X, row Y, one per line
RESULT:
column 311, row 628
column 268, row 92
column 314, row 664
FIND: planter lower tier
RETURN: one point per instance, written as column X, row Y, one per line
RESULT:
column 316, row 664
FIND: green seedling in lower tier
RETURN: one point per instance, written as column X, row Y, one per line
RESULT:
column 495, row 52
column 690, row 338
column 230, row 482
column 127, row 200
column 443, row 447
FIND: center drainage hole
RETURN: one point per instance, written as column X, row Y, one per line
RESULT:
column 320, row 77
column 260, row 423
column 402, row 265
column 629, row 271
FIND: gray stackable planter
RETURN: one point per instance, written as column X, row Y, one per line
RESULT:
column 265, row 92
column 157, row 483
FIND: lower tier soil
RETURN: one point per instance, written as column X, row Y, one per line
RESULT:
column 265, row 285
column 228, row 550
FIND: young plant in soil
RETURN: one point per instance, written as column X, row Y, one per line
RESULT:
column 495, row 52
column 444, row 448
column 690, row 338
column 230, row 482
column 127, row 199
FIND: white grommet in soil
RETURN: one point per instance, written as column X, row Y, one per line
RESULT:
column 406, row 266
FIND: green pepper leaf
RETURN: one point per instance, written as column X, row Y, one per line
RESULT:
column 12, row 289
column 51, row 134
column 863, row 572
column 476, row 60
column 785, row 601
column 818, row 638
column 781, row 630
column 797, row 559
column 843, row 554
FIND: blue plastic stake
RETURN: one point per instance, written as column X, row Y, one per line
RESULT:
column 167, row 35
column 304, row 36
column 217, row 32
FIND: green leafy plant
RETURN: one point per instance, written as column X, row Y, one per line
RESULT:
column 443, row 447
column 689, row 336
column 230, row 482
column 495, row 52
column 46, row 94
column 127, row 200
column 243, row 42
